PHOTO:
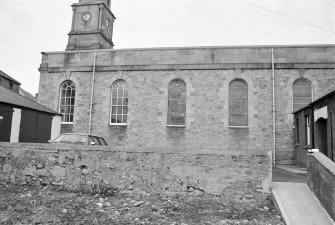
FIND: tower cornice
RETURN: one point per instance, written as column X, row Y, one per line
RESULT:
column 94, row 3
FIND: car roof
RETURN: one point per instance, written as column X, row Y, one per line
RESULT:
column 80, row 134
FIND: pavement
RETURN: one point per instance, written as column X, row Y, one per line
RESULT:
column 294, row 199
column 289, row 173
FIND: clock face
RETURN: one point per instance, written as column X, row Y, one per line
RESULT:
column 86, row 16
column 107, row 22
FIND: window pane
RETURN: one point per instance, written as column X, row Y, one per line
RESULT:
column 119, row 101
column 114, row 101
column 238, row 120
column 124, row 119
column 114, row 110
column 125, row 101
column 238, row 106
column 125, row 110
column 119, row 118
column 125, row 93
column 72, row 101
column 120, row 92
column 114, row 92
column 119, row 110
column 67, row 118
column 113, row 119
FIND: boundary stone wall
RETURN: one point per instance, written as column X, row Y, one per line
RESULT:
column 321, row 180
column 162, row 170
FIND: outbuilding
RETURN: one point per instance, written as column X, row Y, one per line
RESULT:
column 314, row 128
column 24, row 120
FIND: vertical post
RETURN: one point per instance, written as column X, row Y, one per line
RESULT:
column 92, row 92
column 273, row 108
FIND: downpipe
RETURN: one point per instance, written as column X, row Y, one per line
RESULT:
column 273, row 108
column 92, row 92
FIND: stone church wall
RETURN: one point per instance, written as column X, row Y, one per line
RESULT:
column 207, row 73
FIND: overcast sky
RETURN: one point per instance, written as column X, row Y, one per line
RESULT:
column 29, row 27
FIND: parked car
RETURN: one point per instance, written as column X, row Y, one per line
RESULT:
column 79, row 139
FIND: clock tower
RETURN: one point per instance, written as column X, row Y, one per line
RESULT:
column 92, row 25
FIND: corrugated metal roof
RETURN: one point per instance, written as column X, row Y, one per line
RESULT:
column 3, row 74
column 11, row 98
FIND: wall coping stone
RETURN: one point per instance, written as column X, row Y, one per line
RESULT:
column 199, row 47
column 325, row 161
column 154, row 150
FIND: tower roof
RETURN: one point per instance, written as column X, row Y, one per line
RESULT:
column 107, row 2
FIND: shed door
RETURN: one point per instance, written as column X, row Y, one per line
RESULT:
column 43, row 128
column 35, row 127
column 6, row 115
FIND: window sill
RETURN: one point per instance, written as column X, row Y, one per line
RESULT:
column 176, row 126
column 239, row 127
column 307, row 147
column 119, row 124
column 69, row 123
column 297, row 145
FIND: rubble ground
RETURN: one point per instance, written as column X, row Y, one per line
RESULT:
column 43, row 205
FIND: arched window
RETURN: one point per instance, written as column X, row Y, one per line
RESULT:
column 66, row 101
column 176, row 115
column 119, row 103
column 302, row 93
column 238, row 103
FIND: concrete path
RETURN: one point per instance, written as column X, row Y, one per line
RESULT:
column 298, row 205
column 292, row 169
column 288, row 174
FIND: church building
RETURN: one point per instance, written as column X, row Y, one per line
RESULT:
column 233, row 99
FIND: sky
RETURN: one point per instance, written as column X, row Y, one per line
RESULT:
column 29, row 27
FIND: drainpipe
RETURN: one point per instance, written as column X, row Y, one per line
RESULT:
column 92, row 92
column 273, row 108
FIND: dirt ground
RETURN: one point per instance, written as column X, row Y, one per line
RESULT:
column 37, row 205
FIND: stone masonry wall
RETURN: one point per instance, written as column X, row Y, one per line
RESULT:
column 152, row 170
column 321, row 180
column 206, row 109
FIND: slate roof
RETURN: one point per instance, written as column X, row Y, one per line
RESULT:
column 3, row 74
column 14, row 99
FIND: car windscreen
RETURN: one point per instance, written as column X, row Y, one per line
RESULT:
column 96, row 141
column 102, row 141
column 71, row 139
